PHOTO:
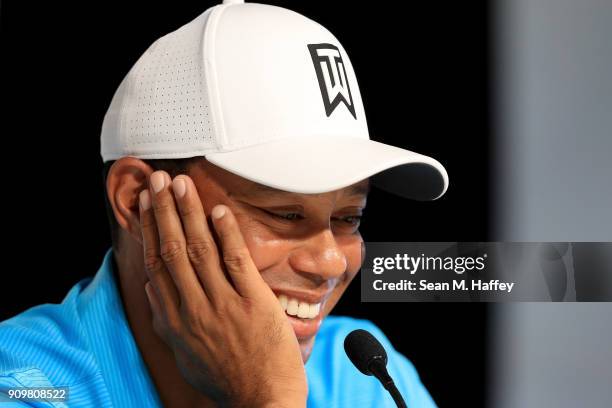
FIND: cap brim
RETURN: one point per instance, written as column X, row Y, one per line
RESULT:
column 319, row 164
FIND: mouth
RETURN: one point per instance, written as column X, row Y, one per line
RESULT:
column 304, row 311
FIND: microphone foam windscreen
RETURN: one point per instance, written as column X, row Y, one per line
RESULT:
column 361, row 347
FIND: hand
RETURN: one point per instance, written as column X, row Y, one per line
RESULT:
column 229, row 334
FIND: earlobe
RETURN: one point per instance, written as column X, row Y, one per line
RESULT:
column 126, row 178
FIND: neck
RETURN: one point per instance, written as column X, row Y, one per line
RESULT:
column 173, row 390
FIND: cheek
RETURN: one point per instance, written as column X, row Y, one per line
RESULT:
column 266, row 249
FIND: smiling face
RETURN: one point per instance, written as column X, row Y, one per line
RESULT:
column 307, row 247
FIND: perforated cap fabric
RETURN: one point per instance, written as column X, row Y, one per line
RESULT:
column 264, row 93
column 161, row 109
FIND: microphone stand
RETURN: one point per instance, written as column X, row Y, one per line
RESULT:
column 379, row 370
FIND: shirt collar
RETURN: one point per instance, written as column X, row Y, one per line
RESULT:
column 111, row 341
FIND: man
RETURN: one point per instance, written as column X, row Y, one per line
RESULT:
column 237, row 164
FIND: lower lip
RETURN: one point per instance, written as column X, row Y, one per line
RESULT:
column 305, row 328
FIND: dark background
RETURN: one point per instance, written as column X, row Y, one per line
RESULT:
column 423, row 73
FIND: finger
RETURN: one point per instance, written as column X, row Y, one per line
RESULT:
column 153, row 301
column 172, row 244
column 156, row 308
column 154, row 266
column 200, row 244
column 158, row 318
column 235, row 253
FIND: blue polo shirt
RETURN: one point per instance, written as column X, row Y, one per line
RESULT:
column 85, row 344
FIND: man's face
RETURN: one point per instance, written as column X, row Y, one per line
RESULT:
column 307, row 247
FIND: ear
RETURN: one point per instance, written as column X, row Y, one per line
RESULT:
column 126, row 178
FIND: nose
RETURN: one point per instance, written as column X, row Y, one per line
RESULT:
column 319, row 256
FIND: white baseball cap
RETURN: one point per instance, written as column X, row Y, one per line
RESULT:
column 265, row 93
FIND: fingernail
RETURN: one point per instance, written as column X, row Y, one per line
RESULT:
column 218, row 211
column 179, row 187
column 157, row 181
column 145, row 199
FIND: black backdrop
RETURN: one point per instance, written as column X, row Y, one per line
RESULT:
column 423, row 74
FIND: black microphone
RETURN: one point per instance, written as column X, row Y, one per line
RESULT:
column 369, row 356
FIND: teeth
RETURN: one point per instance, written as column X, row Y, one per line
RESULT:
column 292, row 307
column 314, row 309
column 283, row 301
column 303, row 310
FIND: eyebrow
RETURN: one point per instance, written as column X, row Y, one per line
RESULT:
column 360, row 189
column 354, row 190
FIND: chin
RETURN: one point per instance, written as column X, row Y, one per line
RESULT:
column 306, row 348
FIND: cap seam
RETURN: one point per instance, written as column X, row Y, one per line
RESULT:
column 165, row 155
column 210, row 75
column 130, row 83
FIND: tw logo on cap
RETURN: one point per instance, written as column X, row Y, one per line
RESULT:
column 332, row 77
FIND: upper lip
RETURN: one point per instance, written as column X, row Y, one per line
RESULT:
column 305, row 296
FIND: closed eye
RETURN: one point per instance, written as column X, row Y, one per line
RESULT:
column 289, row 216
column 292, row 216
column 351, row 219
column 348, row 220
